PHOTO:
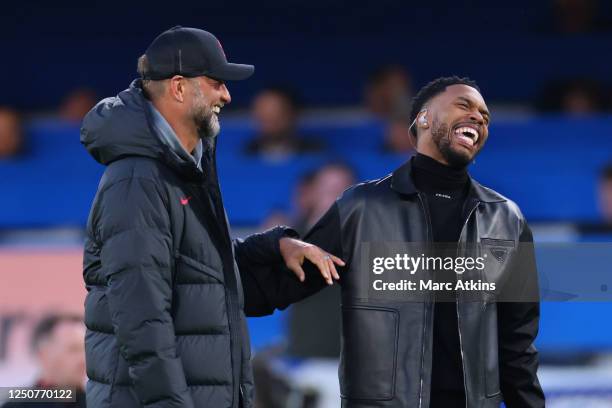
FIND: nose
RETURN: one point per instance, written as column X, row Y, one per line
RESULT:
column 477, row 117
column 225, row 95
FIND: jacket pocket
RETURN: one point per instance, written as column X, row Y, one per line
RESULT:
column 369, row 352
column 190, row 271
column 497, row 255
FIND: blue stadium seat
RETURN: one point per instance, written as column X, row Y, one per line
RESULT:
column 548, row 165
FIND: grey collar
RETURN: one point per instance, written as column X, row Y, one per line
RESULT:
column 169, row 138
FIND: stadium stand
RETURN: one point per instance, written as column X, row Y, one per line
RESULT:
column 548, row 165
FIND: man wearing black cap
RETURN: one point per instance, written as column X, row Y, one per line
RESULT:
column 168, row 289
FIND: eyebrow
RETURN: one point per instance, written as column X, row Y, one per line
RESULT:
column 214, row 80
column 470, row 103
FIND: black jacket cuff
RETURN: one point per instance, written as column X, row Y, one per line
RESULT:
column 263, row 248
column 282, row 231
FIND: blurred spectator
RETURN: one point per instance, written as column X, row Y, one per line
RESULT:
column 58, row 343
column 276, row 111
column 398, row 139
column 605, row 194
column 330, row 181
column 76, row 104
column 321, row 310
column 574, row 97
column 388, row 91
column 10, row 133
column 304, row 201
column 318, row 193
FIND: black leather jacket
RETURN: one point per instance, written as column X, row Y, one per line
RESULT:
column 387, row 345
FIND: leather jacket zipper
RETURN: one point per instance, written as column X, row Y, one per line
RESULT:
column 429, row 305
column 474, row 207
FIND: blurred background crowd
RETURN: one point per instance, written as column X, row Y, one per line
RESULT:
column 327, row 107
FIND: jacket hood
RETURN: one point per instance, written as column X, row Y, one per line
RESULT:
column 120, row 126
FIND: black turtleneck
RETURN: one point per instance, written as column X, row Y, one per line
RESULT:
column 445, row 189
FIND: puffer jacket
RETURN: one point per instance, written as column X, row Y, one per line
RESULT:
column 165, row 310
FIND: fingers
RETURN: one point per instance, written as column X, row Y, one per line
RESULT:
column 314, row 255
column 325, row 262
column 323, row 265
column 332, row 261
column 337, row 260
column 317, row 257
column 298, row 271
column 332, row 269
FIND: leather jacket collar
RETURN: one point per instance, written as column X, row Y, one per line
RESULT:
column 402, row 183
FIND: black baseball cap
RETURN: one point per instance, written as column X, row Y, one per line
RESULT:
column 191, row 52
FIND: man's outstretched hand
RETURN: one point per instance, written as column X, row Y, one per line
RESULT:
column 294, row 253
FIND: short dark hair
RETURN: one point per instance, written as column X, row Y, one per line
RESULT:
column 48, row 323
column 432, row 89
column 152, row 89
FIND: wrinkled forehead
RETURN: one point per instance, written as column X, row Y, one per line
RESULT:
column 457, row 92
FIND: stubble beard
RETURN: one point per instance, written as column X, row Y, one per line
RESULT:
column 440, row 134
column 205, row 119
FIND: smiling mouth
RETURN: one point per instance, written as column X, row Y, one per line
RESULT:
column 216, row 109
column 467, row 135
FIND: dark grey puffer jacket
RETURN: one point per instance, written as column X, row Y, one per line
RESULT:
column 165, row 307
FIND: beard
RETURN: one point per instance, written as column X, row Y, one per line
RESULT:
column 440, row 134
column 205, row 119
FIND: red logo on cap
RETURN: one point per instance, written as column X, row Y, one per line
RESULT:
column 220, row 46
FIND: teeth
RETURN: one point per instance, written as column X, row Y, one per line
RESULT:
column 216, row 109
column 460, row 131
column 467, row 140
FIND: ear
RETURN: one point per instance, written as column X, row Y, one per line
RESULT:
column 423, row 119
column 178, row 88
